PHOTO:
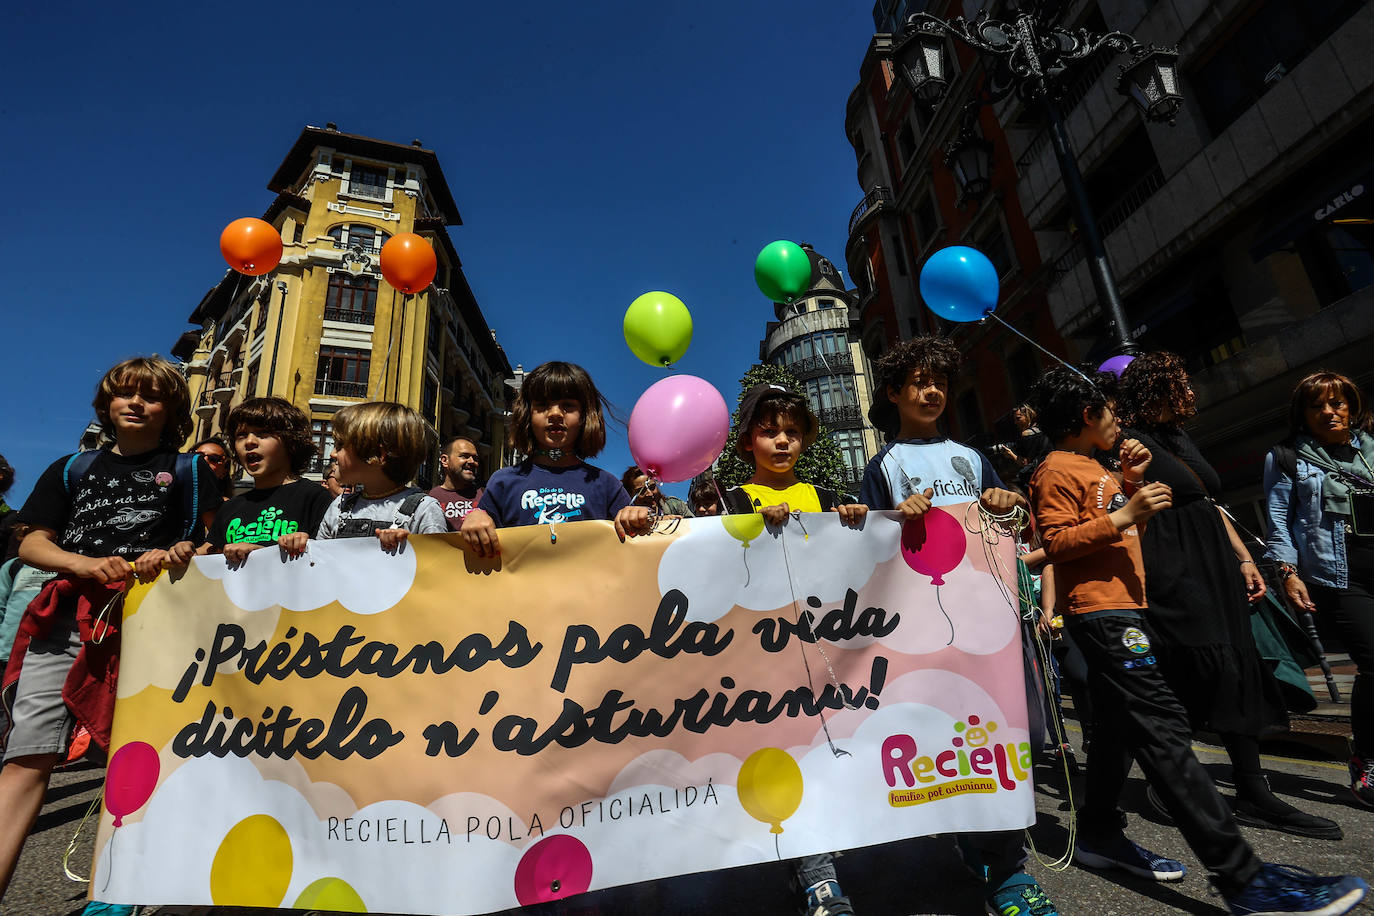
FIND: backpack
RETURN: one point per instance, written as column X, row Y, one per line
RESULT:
column 186, row 482
column 367, row 527
column 1286, row 458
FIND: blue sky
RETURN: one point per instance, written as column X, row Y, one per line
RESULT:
column 596, row 152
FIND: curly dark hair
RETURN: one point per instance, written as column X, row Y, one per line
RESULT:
column 937, row 355
column 6, row 476
column 277, row 417
column 1060, row 398
column 1151, row 384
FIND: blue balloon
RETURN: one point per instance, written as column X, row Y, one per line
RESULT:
column 959, row 283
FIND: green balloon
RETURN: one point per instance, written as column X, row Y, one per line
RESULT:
column 782, row 271
column 658, row 328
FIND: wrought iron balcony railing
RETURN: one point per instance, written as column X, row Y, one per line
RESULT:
column 843, row 416
column 873, row 200
column 376, row 192
column 351, row 316
column 337, row 388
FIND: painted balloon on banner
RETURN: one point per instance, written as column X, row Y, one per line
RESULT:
column 333, row 894
column 770, row 786
column 252, row 866
column 557, row 866
column 251, row 246
column 933, row 544
column 408, row 262
column 959, row 283
column 678, row 427
column 130, row 779
column 1117, row 364
column 743, row 528
column 658, row 328
column 782, row 270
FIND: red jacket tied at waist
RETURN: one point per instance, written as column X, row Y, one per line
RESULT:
column 89, row 690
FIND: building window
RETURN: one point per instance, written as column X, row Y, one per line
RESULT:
column 1339, row 259
column 994, row 244
column 926, row 222
column 251, row 389
column 430, row 398
column 851, row 443
column 826, row 303
column 1277, row 35
column 368, row 181
column 906, row 144
column 899, row 255
column 831, row 391
column 351, row 298
column 369, row 238
column 342, row 372
column 323, row 435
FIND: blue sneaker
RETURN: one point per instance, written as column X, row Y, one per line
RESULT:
column 825, row 899
column 1121, row 853
column 1020, row 895
column 1282, row 889
column 96, row 908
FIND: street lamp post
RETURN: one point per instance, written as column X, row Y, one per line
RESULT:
column 1029, row 56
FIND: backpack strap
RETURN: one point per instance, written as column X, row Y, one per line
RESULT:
column 1286, row 459
column 828, row 498
column 737, row 502
column 410, row 505
column 187, row 480
column 77, row 467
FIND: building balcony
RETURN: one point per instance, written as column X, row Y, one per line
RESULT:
column 874, row 201
column 370, row 191
column 207, row 407
column 350, row 316
column 224, row 393
column 843, row 416
column 338, row 388
column 822, row 364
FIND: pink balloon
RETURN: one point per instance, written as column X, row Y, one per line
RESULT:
column 557, row 866
column 933, row 544
column 678, row 427
column 130, row 779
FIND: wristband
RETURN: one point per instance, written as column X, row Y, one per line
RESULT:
column 1251, row 562
column 1135, row 483
column 1286, row 572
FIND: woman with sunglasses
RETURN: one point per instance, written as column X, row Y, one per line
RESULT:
column 216, row 454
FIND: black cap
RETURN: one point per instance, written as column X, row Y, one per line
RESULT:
column 749, row 408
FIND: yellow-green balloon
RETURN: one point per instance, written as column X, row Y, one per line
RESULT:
column 782, row 270
column 743, row 528
column 333, row 894
column 658, row 328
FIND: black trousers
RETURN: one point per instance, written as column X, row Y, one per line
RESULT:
column 1348, row 614
column 1135, row 715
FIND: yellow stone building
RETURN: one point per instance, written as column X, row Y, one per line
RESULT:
column 325, row 329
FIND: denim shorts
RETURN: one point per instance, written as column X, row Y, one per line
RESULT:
column 42, row 723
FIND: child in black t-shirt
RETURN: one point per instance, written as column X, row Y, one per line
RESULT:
column 271, row 441
column 128, row 510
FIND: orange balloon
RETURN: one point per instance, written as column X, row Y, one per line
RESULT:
column 251, row 246
column 408, row 262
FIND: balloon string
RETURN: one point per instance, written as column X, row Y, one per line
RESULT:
column 941, row 605
column 801, row 647
column 71, row 847
column 777, row 847
column 1074, row 369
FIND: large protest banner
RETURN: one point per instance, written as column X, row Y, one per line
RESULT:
column 430, row 732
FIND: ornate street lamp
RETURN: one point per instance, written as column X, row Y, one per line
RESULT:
column 969, row 157
column 1029, row 55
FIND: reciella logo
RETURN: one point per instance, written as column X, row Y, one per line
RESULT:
column 971, row 761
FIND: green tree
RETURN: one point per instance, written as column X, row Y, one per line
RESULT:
column 821, row 464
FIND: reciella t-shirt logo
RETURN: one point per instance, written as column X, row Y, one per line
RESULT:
column 969, row 761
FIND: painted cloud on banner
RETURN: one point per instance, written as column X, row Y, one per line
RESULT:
column 354, row 572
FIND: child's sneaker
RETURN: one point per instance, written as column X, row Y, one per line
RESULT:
column 1282, row 889
column 1121, row 853
column 1362, row 779
column 825, row 899
column 1020, row 895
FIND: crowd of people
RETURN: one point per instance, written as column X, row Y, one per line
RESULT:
column 1153, row 581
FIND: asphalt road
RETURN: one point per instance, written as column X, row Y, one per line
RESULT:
column 916, row 876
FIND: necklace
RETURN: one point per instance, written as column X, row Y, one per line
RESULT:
column 553, row 454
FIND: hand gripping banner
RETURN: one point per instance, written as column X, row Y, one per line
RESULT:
column 430, row 732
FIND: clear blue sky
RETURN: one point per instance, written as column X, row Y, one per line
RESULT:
column 596, row 152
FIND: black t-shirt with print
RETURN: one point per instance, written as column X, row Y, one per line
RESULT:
column 263, row 516
column 123, row 506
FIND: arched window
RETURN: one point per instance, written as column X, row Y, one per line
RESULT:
column 369, row 238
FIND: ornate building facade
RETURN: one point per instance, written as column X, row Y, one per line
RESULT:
column 325, row 329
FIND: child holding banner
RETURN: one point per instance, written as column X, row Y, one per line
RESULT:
column 775, row 426
column 379, row 446
column 1091, row 534
column 271, row 441
column 557, row 422
column 131, row 508
column 916, row 471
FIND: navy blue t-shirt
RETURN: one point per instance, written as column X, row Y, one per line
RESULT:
column 531, row 494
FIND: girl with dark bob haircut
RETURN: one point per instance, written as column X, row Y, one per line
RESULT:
column 556, row 381
column 282, row 419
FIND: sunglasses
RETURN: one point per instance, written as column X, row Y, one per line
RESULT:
column 214, row 459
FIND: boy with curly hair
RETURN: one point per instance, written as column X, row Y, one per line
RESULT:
column 920, row 469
